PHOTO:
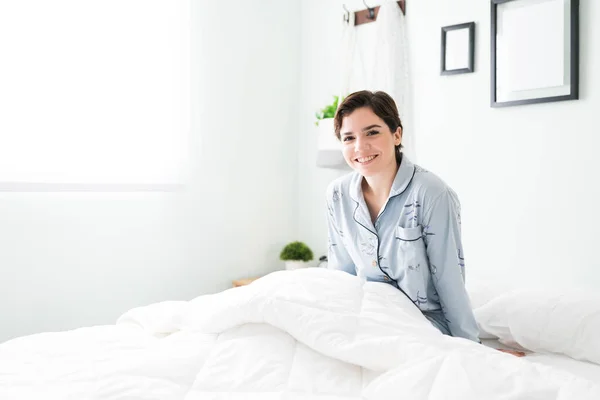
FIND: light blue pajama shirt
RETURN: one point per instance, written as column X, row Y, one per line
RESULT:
column 415, row 244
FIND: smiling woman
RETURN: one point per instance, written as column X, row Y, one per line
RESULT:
column 87, row 105
column 392, row 221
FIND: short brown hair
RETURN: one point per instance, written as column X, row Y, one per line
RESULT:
column 379, row 102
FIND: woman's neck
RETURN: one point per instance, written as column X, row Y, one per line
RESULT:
column 380, row 185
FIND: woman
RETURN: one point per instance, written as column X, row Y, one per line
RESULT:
column 392, row 221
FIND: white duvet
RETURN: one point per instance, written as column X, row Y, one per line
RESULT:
column 306, row 334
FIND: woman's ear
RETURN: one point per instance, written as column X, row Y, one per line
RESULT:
column 398, row 136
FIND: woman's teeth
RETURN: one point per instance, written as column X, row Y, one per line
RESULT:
column 365, row 159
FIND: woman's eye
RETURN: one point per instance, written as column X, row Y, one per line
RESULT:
column 373, row 133
column 348, row 138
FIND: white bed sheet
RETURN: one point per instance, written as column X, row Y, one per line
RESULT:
column 582, row 369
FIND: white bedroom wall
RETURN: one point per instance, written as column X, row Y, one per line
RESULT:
column 78, row 259
column 321, row 37
column 527, row 176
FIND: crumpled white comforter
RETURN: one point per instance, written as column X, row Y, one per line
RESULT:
column 305, row 334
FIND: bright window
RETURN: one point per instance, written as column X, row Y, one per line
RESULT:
column 94, row 91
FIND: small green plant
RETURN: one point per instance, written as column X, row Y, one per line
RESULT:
column 328, row 111
column 296, row 251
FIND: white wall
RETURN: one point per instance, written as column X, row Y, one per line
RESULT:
column 527, row 176
column 321, row 35
column 76, row 259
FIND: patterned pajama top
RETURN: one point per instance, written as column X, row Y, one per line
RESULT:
column 414, row 244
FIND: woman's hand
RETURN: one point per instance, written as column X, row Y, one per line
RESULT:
column 513, row 352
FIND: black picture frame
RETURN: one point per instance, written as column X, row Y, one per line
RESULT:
column 470, row 26
column 571, row 64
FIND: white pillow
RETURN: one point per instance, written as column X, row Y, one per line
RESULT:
column 544, row 321
column 483, row 291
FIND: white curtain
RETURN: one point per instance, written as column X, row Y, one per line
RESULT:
column 391, row 73
column 347, row 53
column 376, row 58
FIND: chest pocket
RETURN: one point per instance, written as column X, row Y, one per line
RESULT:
column 412, row 254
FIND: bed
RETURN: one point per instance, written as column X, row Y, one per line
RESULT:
column 584, row 369
column 305, row 334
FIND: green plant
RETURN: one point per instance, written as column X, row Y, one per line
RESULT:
column 296, row 251
column 328, row 111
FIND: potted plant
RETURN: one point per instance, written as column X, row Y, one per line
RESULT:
column 329, row 154
column 296, row 255
column 328, row 112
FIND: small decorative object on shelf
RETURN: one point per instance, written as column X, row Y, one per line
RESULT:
column 322, row 262
column 296, row 255
column 243, row 282
column 329, row 148
column 327, row 112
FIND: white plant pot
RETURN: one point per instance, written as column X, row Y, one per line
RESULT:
column 329, row 148
column 292, row 265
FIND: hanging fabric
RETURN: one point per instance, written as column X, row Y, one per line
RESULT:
column 347, row 50
column 391, row 71
column 378, row 60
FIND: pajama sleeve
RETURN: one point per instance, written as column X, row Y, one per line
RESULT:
column 441, row 222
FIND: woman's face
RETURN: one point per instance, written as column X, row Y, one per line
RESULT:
column 367, row 143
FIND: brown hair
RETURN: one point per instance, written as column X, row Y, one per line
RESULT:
column 379, row 102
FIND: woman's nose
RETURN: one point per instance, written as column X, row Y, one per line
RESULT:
column 361, row 143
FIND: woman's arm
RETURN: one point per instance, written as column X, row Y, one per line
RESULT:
column 337, row 255
column 441, row 224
